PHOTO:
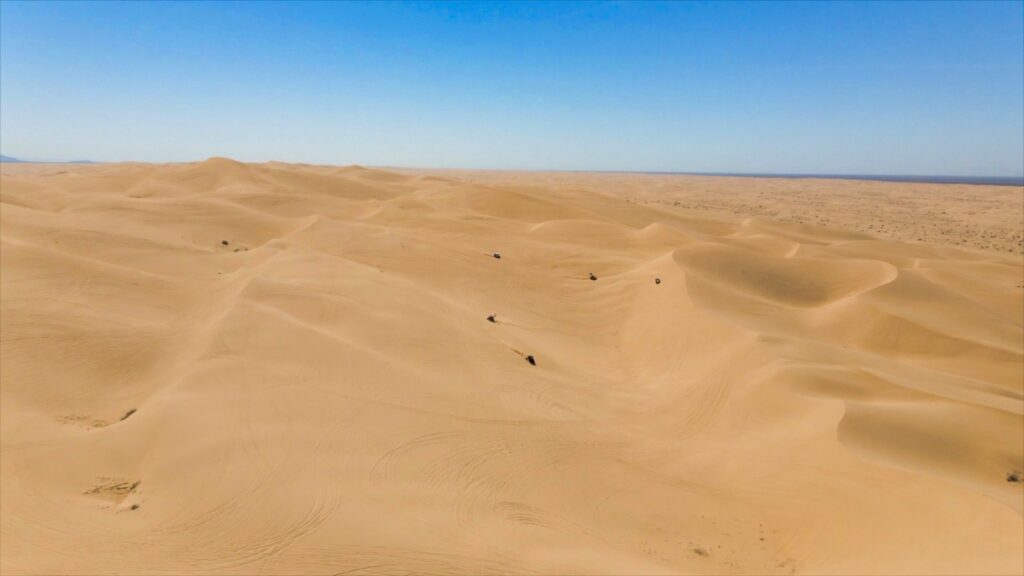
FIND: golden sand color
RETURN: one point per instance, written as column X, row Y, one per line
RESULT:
column 225, row 368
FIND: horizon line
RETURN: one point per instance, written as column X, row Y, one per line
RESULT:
column 993, row 180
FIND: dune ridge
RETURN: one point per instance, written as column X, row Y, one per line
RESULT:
column 221, row 367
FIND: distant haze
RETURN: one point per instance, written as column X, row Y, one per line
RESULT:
column 806, row 88
column 12, row 160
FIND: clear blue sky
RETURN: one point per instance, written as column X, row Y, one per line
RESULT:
column 868, row 88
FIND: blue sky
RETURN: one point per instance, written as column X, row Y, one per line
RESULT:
column 858, row 88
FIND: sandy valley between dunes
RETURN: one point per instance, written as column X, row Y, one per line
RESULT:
column 234, row 368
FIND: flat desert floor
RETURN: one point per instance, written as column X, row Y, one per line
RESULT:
column 226, row 368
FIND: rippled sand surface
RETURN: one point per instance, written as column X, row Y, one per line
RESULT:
column 234, row 368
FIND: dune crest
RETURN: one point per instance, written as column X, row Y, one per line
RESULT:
column 229, row 368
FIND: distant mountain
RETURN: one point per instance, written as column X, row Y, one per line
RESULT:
column 10, row 160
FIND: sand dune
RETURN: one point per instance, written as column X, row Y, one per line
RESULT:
column 968, row 215
column 230, row 368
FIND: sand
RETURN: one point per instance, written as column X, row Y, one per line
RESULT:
column 227, row 368
column 988, row 217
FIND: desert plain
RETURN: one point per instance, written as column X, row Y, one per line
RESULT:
column 229, row 368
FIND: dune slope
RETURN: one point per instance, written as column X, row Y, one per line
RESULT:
column 285, row 369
